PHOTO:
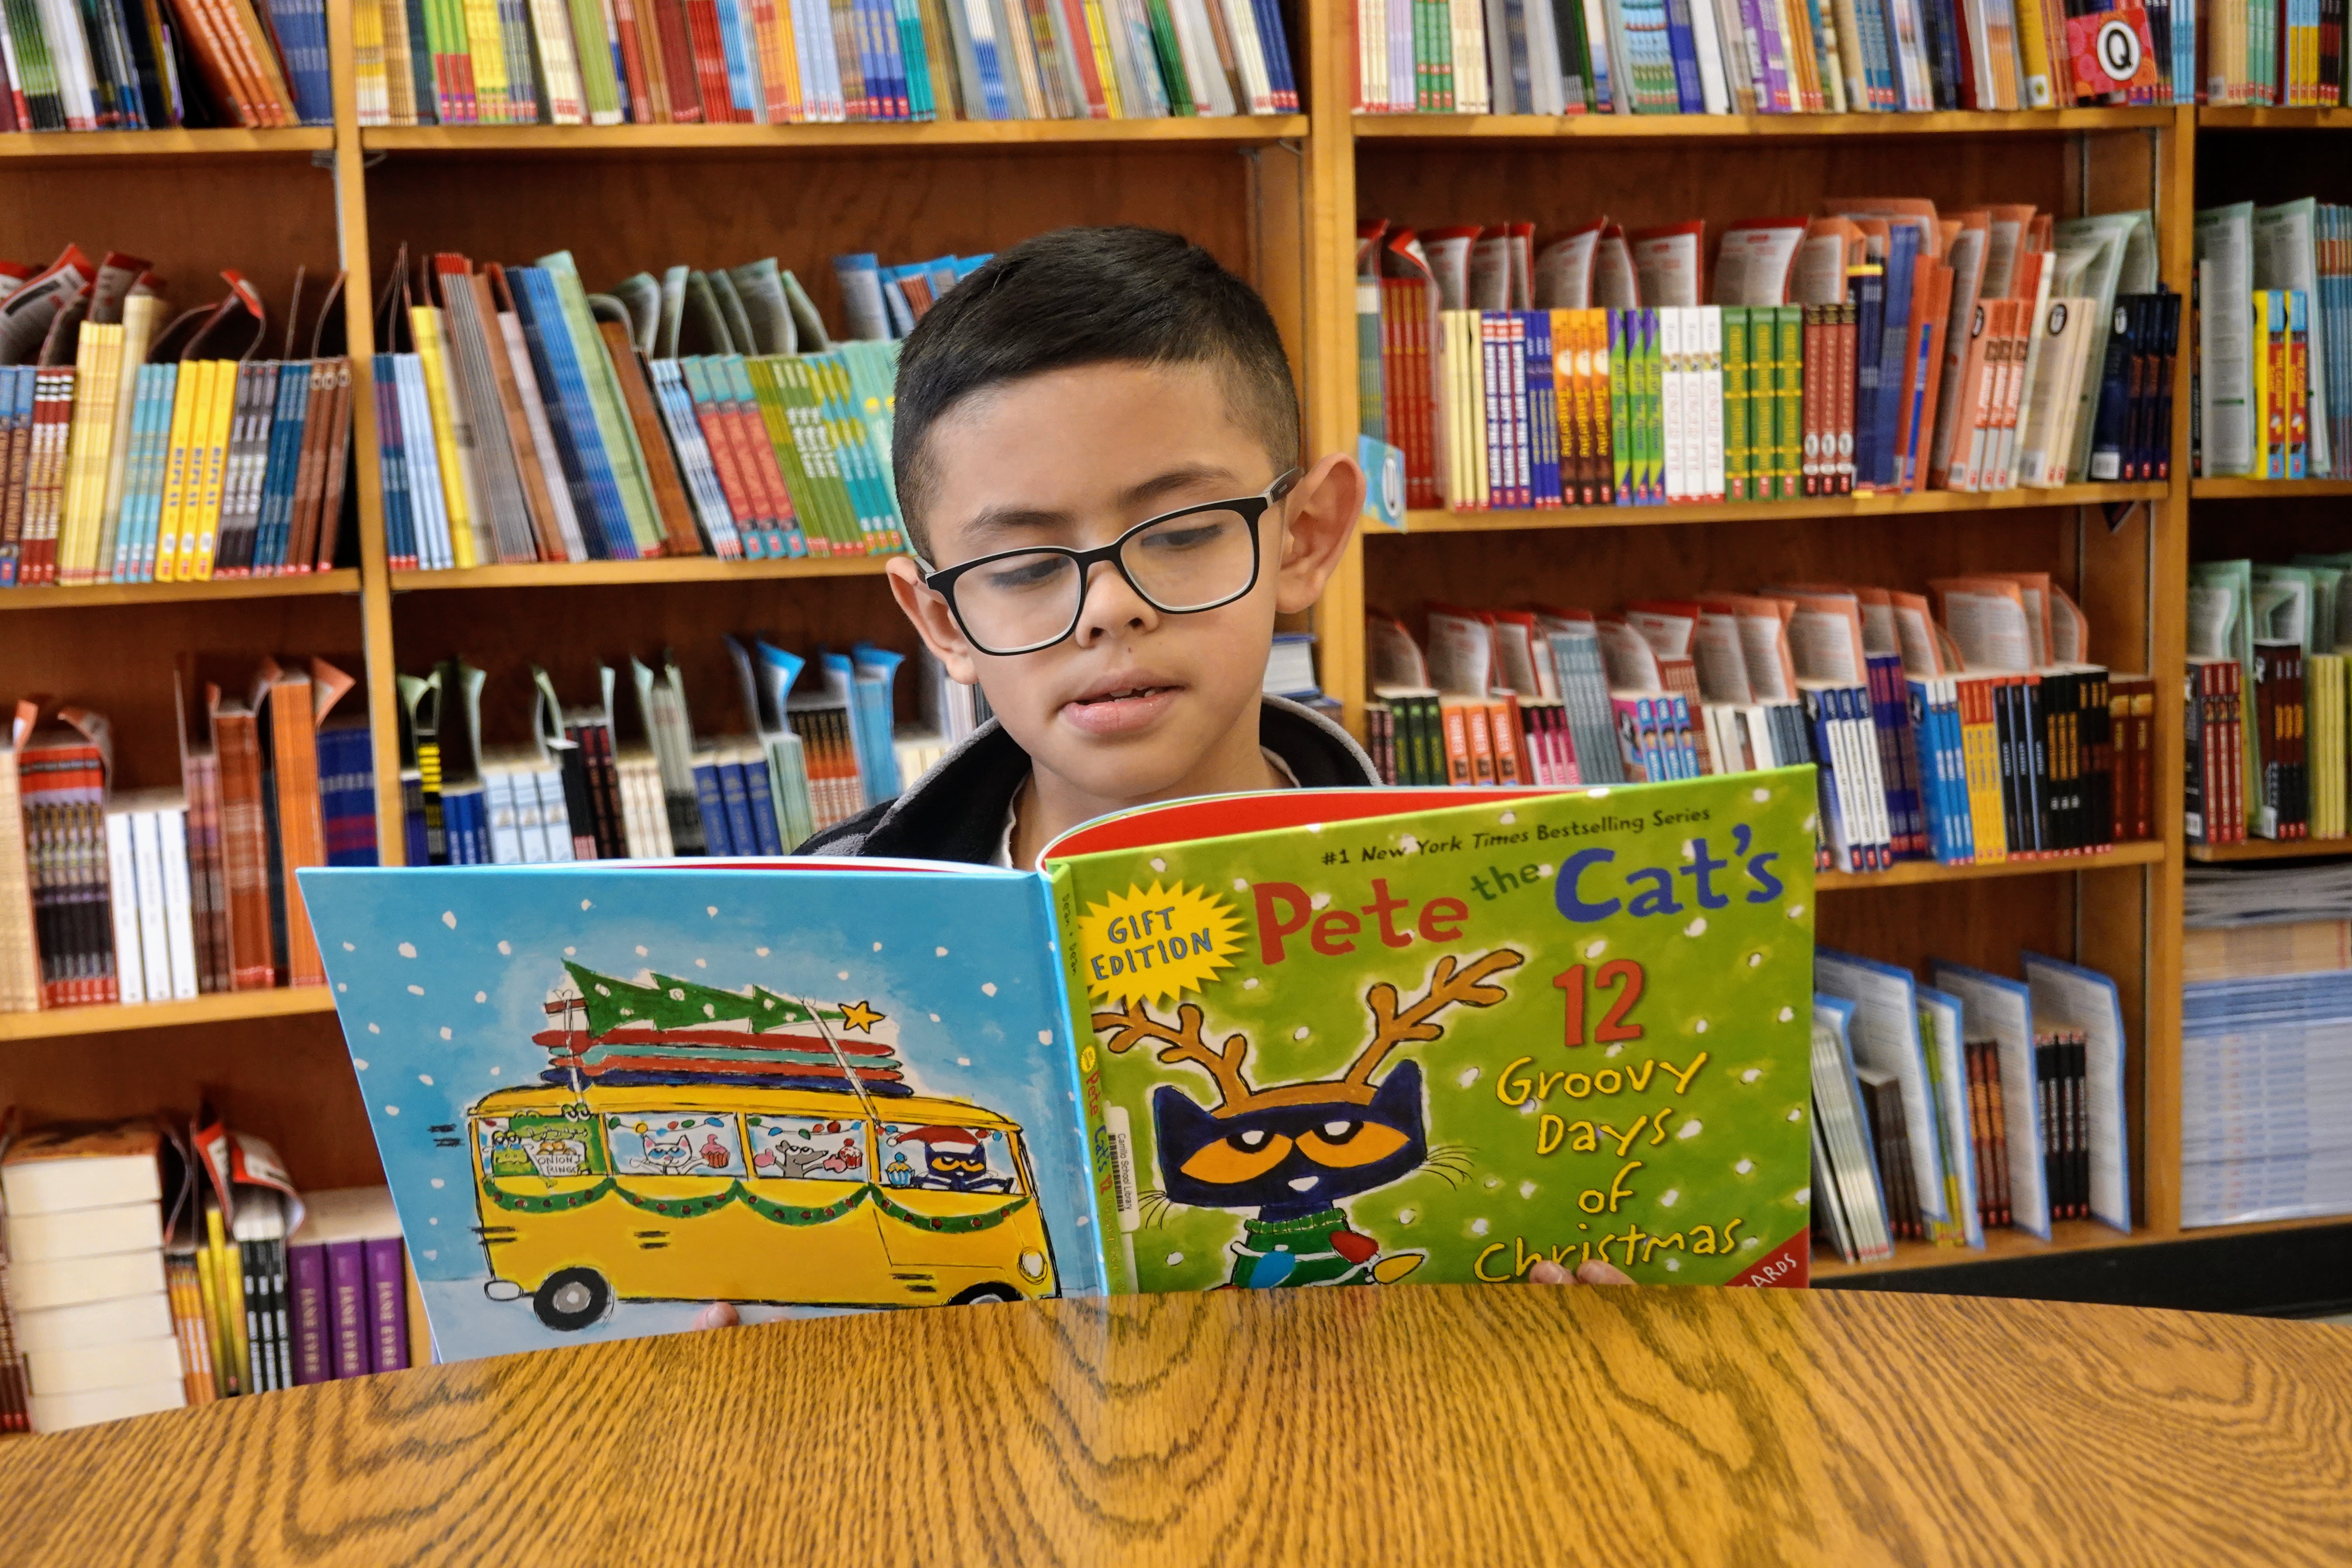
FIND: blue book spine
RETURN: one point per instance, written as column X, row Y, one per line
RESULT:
column 1936, row 809
column 1279, row 75
column 756, row 789
column 596, row 496
column 159, row 441
column 716, row 835
column 734, row 792
column 1686, row 54
column 922, row 93
column 270, row 531
column 134, row 474
column 1869, row 295
column 424, row 456
column 1894, row 337
column 1543, row 407
column 391, row 470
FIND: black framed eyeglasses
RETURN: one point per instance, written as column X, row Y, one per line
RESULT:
column 1180, row 563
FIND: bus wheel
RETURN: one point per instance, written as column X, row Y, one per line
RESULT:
column 986, row 1293
column 571, row 1298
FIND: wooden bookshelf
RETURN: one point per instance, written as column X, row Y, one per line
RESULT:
column 1687, row 127
column 62, row 146
column 2268, row 489
column 2270, row 850
column 294, row 585
column 658, row 570
column 1916, row 873
column 223, row 1008
column 2065, row 1236
column 1918, row 503
column 1278, row 199
column 996, row 135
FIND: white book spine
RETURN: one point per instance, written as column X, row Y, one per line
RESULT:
column 179, row 908
column 154, row 925
column 498, row 804
column 530, row 821
column 1710, row 396
column 554, row 814
column 123, row 885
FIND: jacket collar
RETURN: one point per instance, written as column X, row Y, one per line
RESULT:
column 956, row 811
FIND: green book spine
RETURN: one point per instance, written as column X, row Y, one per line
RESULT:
column 1735, row 403
column 849, row 449
column 613, row 426
column 597, row 83
column 873, row 508
column 1620, row 396
column 1789, row 357
column 1653, row 477
column 766, row 380
column 809, row 431
column 1441, row 24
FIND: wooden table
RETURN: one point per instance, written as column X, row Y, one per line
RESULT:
column 1421, row 1425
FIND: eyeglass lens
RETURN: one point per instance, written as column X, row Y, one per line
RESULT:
column 1190, row 563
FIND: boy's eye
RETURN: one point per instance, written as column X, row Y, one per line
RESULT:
column 1025, row 574
column 1189, row 534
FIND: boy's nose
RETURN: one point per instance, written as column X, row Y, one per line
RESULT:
column 1111, row 604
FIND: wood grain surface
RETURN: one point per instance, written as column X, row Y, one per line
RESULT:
column 1422, row 1426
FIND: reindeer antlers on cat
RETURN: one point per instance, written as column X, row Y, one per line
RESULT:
column 1449, row 983
column 1181, row 1042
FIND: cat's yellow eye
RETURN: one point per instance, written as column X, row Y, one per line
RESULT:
column 1351, row 1143
column 1241, row 1157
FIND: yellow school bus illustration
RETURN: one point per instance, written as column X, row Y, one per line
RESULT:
column 590, row 1192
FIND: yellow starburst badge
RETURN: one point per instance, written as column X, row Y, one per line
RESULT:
column 1153, row 944
column 860, row 1016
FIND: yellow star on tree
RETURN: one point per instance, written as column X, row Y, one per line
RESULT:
column 860, row 1016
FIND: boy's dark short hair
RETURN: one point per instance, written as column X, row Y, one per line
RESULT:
column 1088, row 296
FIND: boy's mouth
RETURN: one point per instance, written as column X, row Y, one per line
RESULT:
column 1121, row 705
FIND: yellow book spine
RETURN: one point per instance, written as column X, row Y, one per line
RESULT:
column 1098, row 40
column 223, row 1279
column 1979, row 747
column 95, row 447
column 205, row 503
column 72, row 483
column 424, row 322
column 2033, row 44
column 188, row 397
column 138, row 314
column 485, row 41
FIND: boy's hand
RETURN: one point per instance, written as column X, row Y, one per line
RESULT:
column 1591, row 1271
column 717, row 1315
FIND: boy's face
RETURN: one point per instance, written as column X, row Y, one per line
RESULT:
column 1136, row 704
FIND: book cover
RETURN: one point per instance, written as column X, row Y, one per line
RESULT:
column 1377, row 1036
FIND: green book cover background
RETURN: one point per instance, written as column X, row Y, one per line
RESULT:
column 1439, row 1045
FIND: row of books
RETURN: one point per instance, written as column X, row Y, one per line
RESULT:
column 2272, row 366
column 135, row 448
column 679, row 62
column 1765, row 57
column 1976, row 1102
column 153, row 1263
column 2265, row 1082
column 631, row 779
column 144, row 65
column 1963, row 725
column 2270, row 674
column 708, row 413
column 1883, row 348
column 2272, row 52
column 113, row 896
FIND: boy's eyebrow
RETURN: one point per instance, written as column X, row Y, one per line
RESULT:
column 1015, row 518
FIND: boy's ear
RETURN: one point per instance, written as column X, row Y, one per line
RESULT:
column 934, row 622
column 1323, row 511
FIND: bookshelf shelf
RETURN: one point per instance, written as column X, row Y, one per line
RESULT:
column 297, row 585
column 224, row 1007
column 681, row 569
column 2251, row 118
column 2267, row 489
column 1239, row 129
column 2270, row 850
column 1919, row 503
column 2065, row 1236
column 1745, row 127
column 66, row 146
column 1911, row 873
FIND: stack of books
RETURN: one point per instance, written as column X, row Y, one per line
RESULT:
column 1882, row 349
column 708, row 413
column 155, row 895
column 141, row 447
column 2272, row 377
column 683, row 62
column 1964, row 725
column 1719, row 57
column 2268, row 694
column 2269, row 53
column 144, row 65
column 2265, row 1082
column 1978, row 1102
column 626, row 776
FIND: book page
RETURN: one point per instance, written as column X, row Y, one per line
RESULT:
column 1563, row 278
column 1396, row 660
column 1884, row 1034
column 1666, row 628
column 1914, row 634
column 2225, row 326
column 1986, row 618
column 1939, row 1034
column 1668, row 262
column 1630, row 663
column 1461, row 653
column 1721, row 663
column 1751, row 266
column 1616, row 286
column 1763, row 643
column 1824, row 634
column 2285, row 257
column 2067, row 998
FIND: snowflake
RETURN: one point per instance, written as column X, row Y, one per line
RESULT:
column 1689, row 1129
column 359, row 1062
column 987, row 988
column 1526, row 1189
column 1670, row 1197
column 445, row 1031
column 1175, row 1258
column 506, row 950
column 449, row 919
column 1744, row 1166
column 1477, row 1227
column 416, row 990
column 408, row 950
column 438, row 1183
column 392, row 1111
column 1469, row 1075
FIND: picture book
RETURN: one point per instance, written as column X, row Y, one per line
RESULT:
column 1298, row 1038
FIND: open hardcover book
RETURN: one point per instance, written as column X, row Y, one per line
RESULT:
column 1295, row 1038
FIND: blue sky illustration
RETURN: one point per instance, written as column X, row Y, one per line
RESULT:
column 440, row 975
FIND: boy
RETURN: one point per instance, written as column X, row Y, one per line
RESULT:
column 1097, row 456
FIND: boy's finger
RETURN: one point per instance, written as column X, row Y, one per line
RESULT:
column 717, row 1315
column 1593, row 1271
column 1544, row 1271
